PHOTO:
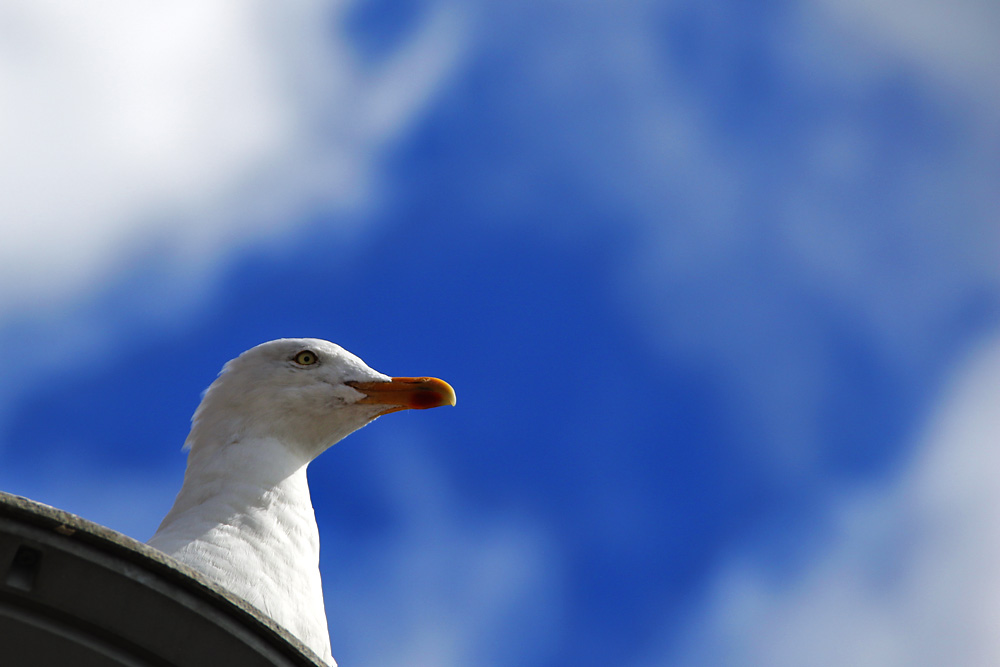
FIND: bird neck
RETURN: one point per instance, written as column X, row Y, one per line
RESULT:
column 244, row 518
column 224, row 482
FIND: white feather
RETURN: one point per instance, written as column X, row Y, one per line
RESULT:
column 244, row 516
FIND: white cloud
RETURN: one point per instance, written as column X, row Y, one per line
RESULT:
column 820, row 156
column 952, row 41
column 861, row 196
column 201, row 124
column 192, row 128
column 906, row 575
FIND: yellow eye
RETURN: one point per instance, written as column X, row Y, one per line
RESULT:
column 306, row 358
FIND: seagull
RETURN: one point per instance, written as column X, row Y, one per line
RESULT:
column 243, row 516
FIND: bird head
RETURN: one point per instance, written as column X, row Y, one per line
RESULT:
column 305, row 393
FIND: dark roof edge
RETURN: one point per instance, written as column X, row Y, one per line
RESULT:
column 73, row 527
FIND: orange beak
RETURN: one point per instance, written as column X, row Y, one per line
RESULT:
column 406, row 393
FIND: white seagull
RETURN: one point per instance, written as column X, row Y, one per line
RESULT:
column 243, row 516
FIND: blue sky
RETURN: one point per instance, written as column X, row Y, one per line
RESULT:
column 716, row 286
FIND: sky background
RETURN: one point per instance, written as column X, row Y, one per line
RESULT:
column 716, row 284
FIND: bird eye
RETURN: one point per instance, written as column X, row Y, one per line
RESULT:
column 306, row 358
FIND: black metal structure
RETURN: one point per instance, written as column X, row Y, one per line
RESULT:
column 73, row 592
